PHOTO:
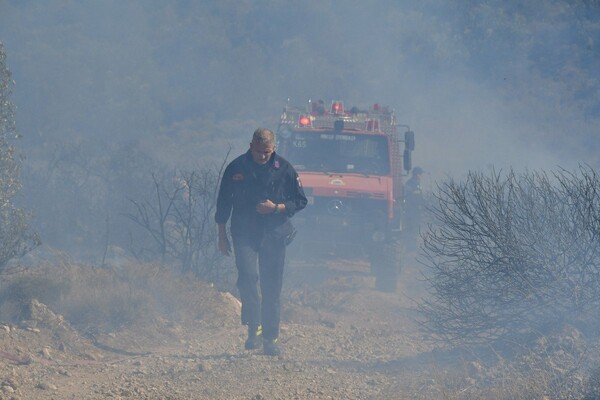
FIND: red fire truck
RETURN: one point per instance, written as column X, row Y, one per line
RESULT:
column 351, row 165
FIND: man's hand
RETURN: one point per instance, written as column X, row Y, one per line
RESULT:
column 224, row 246
column 266, row 207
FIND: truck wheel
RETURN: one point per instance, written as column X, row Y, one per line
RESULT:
column 386, row 265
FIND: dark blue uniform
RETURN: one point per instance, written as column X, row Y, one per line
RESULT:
column 258, row 236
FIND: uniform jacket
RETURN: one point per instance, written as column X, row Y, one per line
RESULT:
column 243, row 187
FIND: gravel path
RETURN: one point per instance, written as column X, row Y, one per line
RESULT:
column 341, row 340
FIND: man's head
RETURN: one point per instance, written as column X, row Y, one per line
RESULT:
column 262, row 145
column 417, row 171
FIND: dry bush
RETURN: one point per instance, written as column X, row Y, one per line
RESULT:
column 554, row 367
column 179, row 224
column 19, row 291
column 559, row 366
column 108, row 299
column 592, row 384
column 511, row 255
column 512, row 263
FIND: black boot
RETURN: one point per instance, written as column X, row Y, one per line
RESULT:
column 254, row 337
column 270, row 347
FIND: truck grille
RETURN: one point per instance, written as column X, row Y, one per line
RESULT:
column 345, row 214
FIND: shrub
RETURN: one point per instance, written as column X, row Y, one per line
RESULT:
column 15, row 237
column 510, row 255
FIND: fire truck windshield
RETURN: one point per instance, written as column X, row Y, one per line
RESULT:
column 341, row 152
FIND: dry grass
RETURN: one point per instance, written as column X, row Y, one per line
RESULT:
column 105, row 298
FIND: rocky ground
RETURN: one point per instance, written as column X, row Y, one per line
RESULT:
column 341, row 340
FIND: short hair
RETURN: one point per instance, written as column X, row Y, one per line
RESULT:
column 263, row 136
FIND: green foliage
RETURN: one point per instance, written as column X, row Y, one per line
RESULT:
column 9, row 166
column 15, row 237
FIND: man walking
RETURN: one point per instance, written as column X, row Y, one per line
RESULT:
column 260, row 191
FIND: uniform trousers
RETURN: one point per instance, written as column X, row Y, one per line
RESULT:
column 259, row 262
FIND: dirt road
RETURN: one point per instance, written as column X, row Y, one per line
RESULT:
column 341, row 340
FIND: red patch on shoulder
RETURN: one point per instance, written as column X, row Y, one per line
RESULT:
column 238, row 177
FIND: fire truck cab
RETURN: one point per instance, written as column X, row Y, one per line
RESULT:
column 351, row 165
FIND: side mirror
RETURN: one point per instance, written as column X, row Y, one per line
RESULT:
column 407, row 160
column 409, row 140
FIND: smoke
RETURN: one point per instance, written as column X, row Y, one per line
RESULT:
column 483, row 84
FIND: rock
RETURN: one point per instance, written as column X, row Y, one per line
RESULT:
column 42, row 254
column 233, row 301
column 10, row 382
column 7, row 389
column 90, row 356
column 203, row 366
column 46, row 386
column 46, row 353
column 38, row 314
column 328, row 323
column 474, row 368
column 117, row 259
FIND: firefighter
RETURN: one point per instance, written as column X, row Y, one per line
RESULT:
column 260, row 191
column 413, row 198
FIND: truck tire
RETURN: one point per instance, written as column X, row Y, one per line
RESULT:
column 386, row 264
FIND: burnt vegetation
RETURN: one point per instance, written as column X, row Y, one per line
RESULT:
column 511, row 262
column 179, row 222
column 512, row 255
